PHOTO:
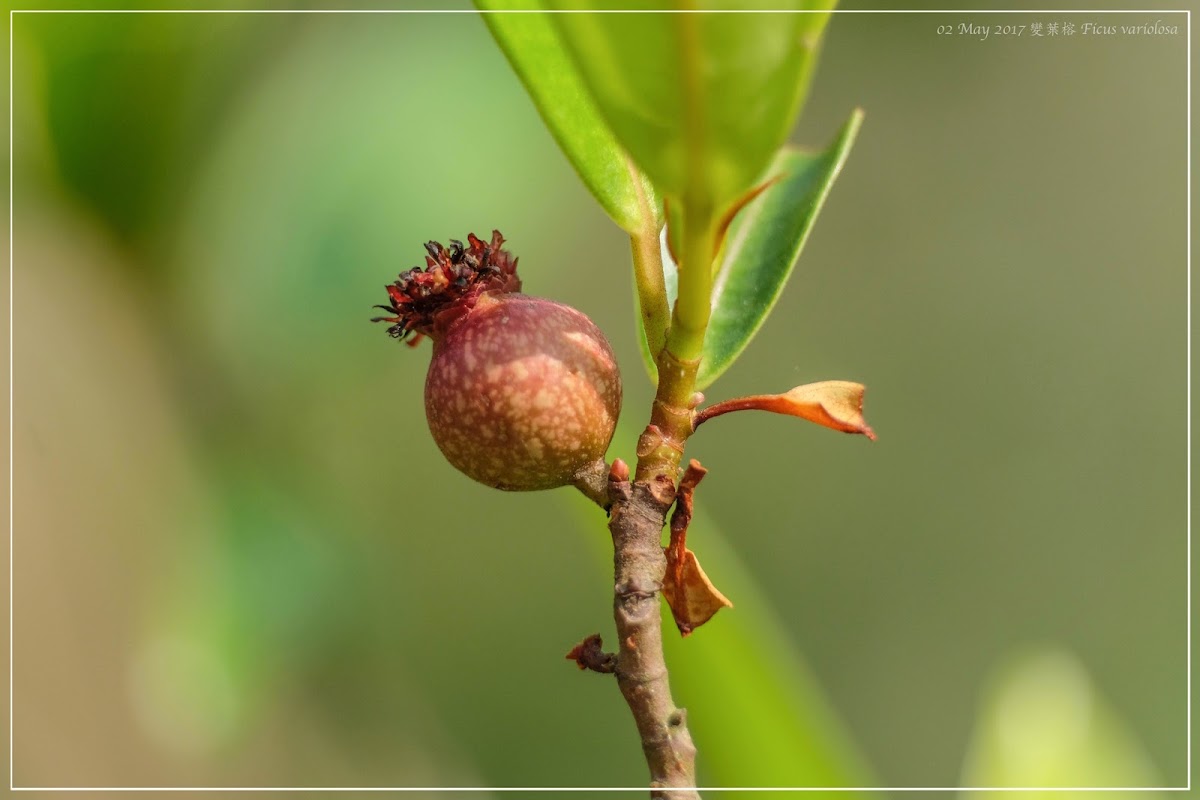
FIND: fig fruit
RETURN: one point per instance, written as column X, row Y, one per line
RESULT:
column 523, row 393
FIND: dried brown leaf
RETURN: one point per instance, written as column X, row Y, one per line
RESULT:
column 688, row 591
column 690, row 594
column 834, row 404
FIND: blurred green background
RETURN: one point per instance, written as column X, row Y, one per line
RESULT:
column 240, row 560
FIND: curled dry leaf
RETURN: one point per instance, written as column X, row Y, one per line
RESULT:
column 834, row 404
column 690, row 594
column 688, row 591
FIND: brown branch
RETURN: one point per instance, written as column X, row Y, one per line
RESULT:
column 638, row 513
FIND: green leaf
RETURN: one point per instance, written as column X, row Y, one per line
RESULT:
column 537, row 55
column 1044, row 724
column 762, row 247
column 701, row 101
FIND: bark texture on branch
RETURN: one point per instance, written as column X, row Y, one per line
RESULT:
column 638, row 513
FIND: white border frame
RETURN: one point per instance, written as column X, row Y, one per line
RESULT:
column 12, row 12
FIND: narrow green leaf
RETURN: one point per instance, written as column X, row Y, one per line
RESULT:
column 537, row 55
column 762, row 247
column 1044, row 724
column 701, row 101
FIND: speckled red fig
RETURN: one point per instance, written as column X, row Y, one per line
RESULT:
column 522, row 393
